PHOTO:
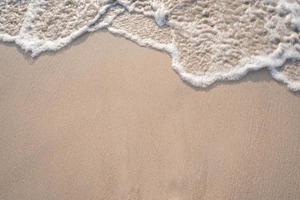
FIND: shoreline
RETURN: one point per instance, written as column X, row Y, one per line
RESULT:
column 82, row 38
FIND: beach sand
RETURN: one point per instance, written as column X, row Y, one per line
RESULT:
column 107, row 119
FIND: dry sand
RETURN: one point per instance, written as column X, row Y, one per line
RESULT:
column 106, row 119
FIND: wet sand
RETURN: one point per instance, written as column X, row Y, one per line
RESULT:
column 107, row 119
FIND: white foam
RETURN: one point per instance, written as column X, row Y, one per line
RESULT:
column 272, row 61
column 160, row 13
column 36, row 46
column 285, row 51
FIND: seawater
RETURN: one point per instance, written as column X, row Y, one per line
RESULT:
column 208, row 40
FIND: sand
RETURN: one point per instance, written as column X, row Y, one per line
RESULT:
column 107, row 119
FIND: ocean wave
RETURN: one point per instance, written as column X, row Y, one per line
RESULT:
column 208, row 40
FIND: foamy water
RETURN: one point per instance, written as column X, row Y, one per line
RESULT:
column 208, row 40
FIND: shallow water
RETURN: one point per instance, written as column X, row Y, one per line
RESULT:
column 208, row 40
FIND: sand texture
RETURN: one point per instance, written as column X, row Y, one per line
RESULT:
column 103, row 123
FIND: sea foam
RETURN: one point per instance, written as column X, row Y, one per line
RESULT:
column 208, row 40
